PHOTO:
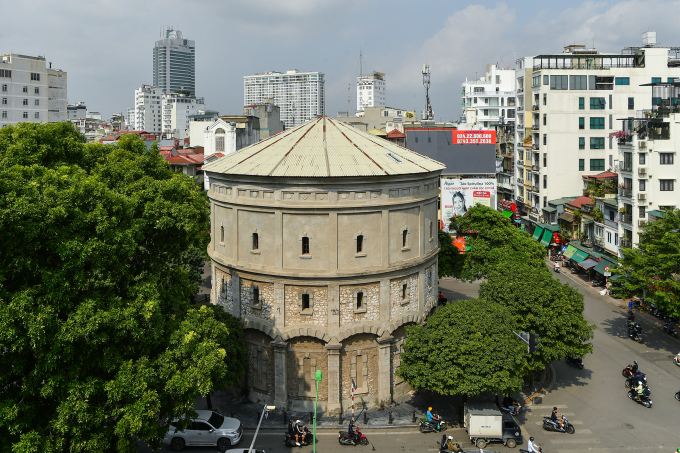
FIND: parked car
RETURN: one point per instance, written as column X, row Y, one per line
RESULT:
column 208, row 429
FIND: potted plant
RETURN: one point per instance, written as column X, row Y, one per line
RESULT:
column 647, row 113
column 623, row 210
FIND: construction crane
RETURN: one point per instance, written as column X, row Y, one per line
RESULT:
column 427, row 115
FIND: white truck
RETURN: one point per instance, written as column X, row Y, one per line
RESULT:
column 484, row 423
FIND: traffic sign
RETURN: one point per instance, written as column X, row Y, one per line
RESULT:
column 607, row 271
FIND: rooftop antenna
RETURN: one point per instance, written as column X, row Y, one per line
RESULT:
column 426, row 83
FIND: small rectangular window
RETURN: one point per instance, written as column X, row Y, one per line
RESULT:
column 642, row 212
column 545, row 139
column 404, row 290
column 643, row 185
column 546, row 80
column 597, row 123
column 256, row 241
column 431, row 230
column 35, row 76
column 642, row 158
column 256, row 295
column 631, row 103
column 37, row 90
column 581, row 103
column 4, row 113
column 622, row 81
column 581, row 123
column 404, row 237
column 666, row 158
column 581, row 164
column 221, row 234
column 360, row 243
column 305, row 246
column 24, row 89
column 26, row 115
column 360, row 300
column 25, row 101
column 545, row 120
column 656, row 79
column 4, row 88
column 37, row 102
column 581, row 143
column 37, row 115
column 305, row 301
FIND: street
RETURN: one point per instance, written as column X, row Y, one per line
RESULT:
column 593, row 399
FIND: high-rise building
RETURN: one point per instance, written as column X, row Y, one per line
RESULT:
column 174, row 63
column 30, row 91
column 574, row 99
column 148, row 107
column 300, row 95
column 492, row 97
column 370, row 90
column 177, row 107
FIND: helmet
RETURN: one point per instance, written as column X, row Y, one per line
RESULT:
column 451, row 438
column 298, row 421
column 635, row 362
column 555, row 408
column 531, row 439
column 429, row 408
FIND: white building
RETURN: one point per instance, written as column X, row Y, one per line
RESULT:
column 130, row 119
column 300, row 95
column 492, row 96
column 370, row 90
column 174, row 63
column 30, row 91
column 647, row 170
column 148, row 109
column 198, row 123
column 575, row 97
column 177, row 108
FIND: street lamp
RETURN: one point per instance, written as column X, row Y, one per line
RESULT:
column 317, row 378
column 265, row 411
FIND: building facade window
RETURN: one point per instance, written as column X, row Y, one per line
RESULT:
column 404, row 238
column 37, row 102
column 596, row 164
column 581, row 143
column 24, row 89
column 256, row 302
column 597, row 123
column 559, row 82
column 359, row 372
column 581, row 103
column 643, row 185
column 256, row 241
column 622, row 81
column 656, row 79
column 4, row 88
column 581, row 164
column 35, row 76
column 305, row 245
column 666, row 185
column 596, row 142
column 360, row 243
column 631, row 103
column 37, row 90
column 642, row 158
column 641, row 212
column 25, row 101
column 666, row 158
column 37, row 115
column 581, row 123
column 26, row 115
column 597, row 103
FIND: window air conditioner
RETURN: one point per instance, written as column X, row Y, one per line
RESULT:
column 642, row 144
column 642, row 170
column 642, row 222
column 642, row 196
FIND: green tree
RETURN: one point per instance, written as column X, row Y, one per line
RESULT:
column 491, row 236
column 653, row 266
column 540, row 304
column 467, row 347
column 448, row 255
column 98, row 341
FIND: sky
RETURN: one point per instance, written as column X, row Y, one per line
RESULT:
column 105, row 46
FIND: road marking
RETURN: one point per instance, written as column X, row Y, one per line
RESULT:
column 574, row 441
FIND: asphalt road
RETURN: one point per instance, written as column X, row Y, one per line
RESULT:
column 593, row 399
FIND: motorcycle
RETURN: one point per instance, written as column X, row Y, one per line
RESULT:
column 643, row 399
column 556, row 269
column 632, row 381
column 428, row 427
column 444, row 447
column 576, row 361
column 550, row 425
column 345, row 439
column 307, row 439
column 628, row 371
column 635, row 334
column 671, row 331
column 517, row 408
column 676, row 360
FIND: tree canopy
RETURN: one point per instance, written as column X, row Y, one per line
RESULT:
column 99, row 342
column 466, row 347
column 654, row 265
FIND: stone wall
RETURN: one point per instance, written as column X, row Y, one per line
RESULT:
column 260, row 373
column 318, row 312
column 224, row 290
column 431, row 283
column 265, row 309
column 399, row 305
column 399, row 387
column 371, row 303
column 302, row 348
column 365, row 345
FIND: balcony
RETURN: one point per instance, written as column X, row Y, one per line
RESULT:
column 535, row 128
column 627, row 219
column 587, row 208
column 599, row 241
column 626, row 193
column 535, row 108
column 520, row 163
column 520, row 181
column 625, row 242
column 535, row 168
column 535, row 146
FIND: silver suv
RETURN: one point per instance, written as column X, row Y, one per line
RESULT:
column 208, row 429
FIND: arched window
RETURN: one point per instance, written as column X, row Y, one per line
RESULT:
column 219, row 140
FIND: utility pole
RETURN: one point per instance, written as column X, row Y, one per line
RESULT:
column 426, row 83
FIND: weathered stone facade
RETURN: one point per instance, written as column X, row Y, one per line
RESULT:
column 360, row 352
column 431, row 283
column 368, row 295
column 224, row 291
column 264, row 306
column 316, row 314
column 403, row 295
column 301, row 383
column 260, row 367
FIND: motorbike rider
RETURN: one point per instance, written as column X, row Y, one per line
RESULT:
column 532, row 446
column 557, row 266
column 634, row 368
column 291, row 429
column 352, row 433
column 450, row 445
column 640, row 390
column 670, row 326
column 556, row 417
column 432, row 419
column 638, row 330
column 299, row 432
column 510, row 404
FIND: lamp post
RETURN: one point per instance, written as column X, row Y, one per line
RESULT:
column 317, row 378
column 265, row 411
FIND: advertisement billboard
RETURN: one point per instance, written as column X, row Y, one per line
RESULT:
column 474, row 137
column 459, row 195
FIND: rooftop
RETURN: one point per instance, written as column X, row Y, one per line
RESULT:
column 603, row 175
column 306, row 151
column 580, row 201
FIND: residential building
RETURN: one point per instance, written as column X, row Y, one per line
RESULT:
column 31, row 91
column 177, row 108
column 370, row 90
column 198, row 123
column 77, row 111
column 229, row 133
column 269, row 115
column 148, row 109
column 300, row 95
column 174, row 63
column 647, row 147
column 519, row 167
column 130, row 119
column 492, row 96
column 575, row 98
column 384, row 118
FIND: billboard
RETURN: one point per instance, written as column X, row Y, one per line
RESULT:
column 474, row 137
column 459, row 195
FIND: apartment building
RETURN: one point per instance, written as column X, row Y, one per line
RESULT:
column 576, row 97
column 515, row 170
column 174, row 63
column 492, row 97
column 370, row 90
column 31, row 91
column 647, row 145
column 148, row 109
column 300, row 95
column 177, row 110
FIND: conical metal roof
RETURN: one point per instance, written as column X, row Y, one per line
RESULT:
column 305, row 151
